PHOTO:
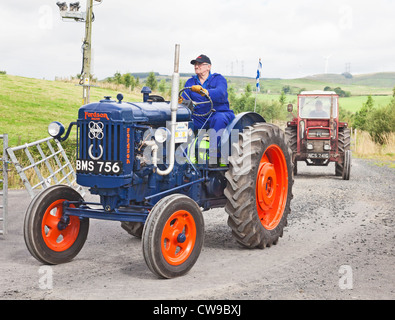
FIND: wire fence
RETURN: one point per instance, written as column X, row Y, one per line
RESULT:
column 47, row 164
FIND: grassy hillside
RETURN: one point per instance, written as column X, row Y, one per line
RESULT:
column 369, row 84
column 377, row 80
column 29, row 105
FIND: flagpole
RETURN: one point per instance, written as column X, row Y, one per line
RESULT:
column 257, row 87
column 256, row 94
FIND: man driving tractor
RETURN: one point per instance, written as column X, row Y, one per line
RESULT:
column 215, row 86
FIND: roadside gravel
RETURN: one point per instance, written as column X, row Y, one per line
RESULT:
column 339, row 244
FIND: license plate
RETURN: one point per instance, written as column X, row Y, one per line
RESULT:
column 99, row 167
column 318, row 155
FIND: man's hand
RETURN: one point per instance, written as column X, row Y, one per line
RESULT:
column 199, row 89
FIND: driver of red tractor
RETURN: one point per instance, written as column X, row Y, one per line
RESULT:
column 318, row 112
column 214, row 85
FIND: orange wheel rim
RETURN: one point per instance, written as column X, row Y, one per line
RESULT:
column 271, row 187
column 55, row 239
column 178, row 237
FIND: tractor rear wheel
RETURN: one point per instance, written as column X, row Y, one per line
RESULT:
column 48, row 238
column 344, row 144
column 173, row 236
column 347, row 165
column 259, row 189
column 291, row 136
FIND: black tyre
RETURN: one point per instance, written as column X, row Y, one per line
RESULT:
column 173, row 236
column 259, row 189
column 347, row 166
column 344, row 144
column 291, row 136
column 45, row 237
column 133, row 228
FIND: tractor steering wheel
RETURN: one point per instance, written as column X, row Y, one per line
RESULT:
column 195, row 103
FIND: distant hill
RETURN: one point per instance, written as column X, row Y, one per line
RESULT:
column 378, row 79
column 375, row 80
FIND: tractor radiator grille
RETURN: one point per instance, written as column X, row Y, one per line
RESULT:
column 318, row 133
column 105, row 138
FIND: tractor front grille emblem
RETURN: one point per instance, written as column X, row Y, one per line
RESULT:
column 96, row 130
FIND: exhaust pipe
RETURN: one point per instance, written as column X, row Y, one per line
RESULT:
column 175, row 87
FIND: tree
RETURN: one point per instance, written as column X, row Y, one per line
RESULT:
column 162, row 86
column 151, row 81
column 362, row 115
column 231, row 95
column 117, row 77
column 381, row 122
column 286, row 89
column 127, row 80
column 282, row 98
column 248, row 90
column 346, row 116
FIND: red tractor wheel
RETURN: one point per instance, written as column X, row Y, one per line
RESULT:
column 259, row 188
column 48, row 237
column 173, row 236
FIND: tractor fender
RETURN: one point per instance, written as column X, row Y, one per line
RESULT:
column 241, row 121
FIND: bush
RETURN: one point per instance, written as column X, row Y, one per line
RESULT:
column 346, row 116
column 151, row 81
column 273, row 110
column 361, row 116
column 381, row 123
column 339, row 91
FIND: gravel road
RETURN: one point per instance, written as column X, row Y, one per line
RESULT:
column 339, row 244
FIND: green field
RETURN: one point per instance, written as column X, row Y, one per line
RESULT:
column 353, row 103
column 28, row 105
column 379, row 85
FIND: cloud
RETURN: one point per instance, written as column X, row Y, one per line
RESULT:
column 292, row 37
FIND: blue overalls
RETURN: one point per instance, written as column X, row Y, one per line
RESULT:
column 217, row 87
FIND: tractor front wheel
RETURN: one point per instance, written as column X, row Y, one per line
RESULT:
column 49, row 237
column 259, row 189
column 173, row 236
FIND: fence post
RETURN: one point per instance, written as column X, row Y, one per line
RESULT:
column 4, row 181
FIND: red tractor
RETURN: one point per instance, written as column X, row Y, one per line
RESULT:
column 316, row 136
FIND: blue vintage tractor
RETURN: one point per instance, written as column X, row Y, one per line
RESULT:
column 156, row 174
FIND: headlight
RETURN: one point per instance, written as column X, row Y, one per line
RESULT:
column 327, row 147
column 309, row 146
column 55, row 129
column 161, row 134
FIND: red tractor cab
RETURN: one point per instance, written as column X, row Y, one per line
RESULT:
column 315, row 134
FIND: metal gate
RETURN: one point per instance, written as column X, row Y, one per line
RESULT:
column 47, row 165
column 3, row 184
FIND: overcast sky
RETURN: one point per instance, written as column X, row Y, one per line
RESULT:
column 294, row 38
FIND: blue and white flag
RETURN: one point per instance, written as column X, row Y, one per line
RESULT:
column 258, row 75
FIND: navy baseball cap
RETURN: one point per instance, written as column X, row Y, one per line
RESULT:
column 202, row 59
